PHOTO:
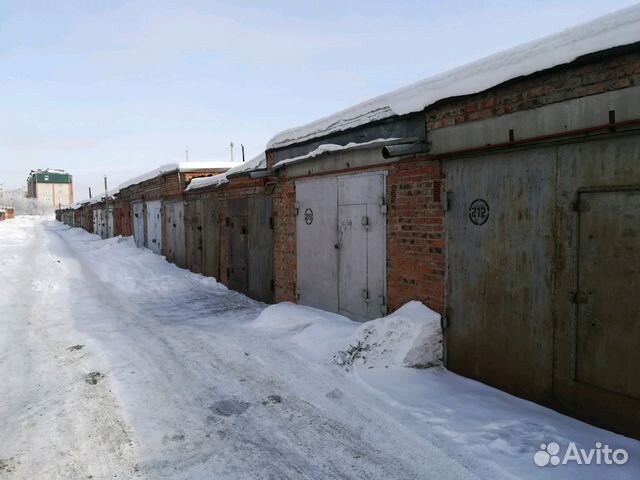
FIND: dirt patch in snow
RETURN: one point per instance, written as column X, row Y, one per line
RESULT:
column 229, row 407
column 93, row 378
column 6, row 465
column 75, row 348
column 273, row 399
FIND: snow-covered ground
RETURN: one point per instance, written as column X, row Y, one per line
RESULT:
column 116, row 363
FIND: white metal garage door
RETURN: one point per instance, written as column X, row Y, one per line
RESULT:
column 137, row 210
column 341, row 244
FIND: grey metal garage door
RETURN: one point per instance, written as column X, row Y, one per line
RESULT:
column 173, row 231
column 608, row 300
column 154, row 226
column 499, row 250
column 137, row 211
column 211, row 237
column 341, row 244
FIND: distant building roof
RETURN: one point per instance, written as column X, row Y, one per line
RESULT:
column 50, row 175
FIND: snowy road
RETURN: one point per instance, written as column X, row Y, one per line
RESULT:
column 116, row 363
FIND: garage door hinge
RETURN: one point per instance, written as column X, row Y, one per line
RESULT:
column 271, row 223
column 273, row 286
column 297, row 208
column 383, row 205
column 383, row 304
column 448, row 201
column 297, row 294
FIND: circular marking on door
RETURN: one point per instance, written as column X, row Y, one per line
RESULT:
column 308, row 216
column 479, row 212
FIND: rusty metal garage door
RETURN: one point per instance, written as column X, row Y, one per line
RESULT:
column 211, row 237
column 238, row 242
column 173, row 230
column 499, row 259
column 260, row 243
column 137, row 210
column 250, row 226
column 193, row 227
column 608, row 303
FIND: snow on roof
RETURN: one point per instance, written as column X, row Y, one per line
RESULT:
column 171, row 167
column 616, row 29
column 183, row 167
column 332, row 147
column 256, row 163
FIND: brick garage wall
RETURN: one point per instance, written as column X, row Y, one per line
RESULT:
column 415, row 235
column 556, row 85
column 284, row 240
column 173, row 184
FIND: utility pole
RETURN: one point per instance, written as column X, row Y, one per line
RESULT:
column 186, row 152
column 89, row 193
column 231, row 145
column 106, row 208
column 242, row 152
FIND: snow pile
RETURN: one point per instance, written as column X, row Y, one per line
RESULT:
column 616, row 29
column 332, row 147
column 318, row 333
column 256, row 163
column 409, row 337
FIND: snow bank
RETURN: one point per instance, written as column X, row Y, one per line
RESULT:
column 409, row 337
column 616, row 29
column 318, row 333
column 332, row 147
column 256, row 163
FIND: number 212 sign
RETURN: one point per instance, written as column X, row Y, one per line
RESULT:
column 479, row 212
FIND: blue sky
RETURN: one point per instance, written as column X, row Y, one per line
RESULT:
column 121, row 87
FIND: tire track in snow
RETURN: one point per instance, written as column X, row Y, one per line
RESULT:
column 62, row 426
column 171, row 370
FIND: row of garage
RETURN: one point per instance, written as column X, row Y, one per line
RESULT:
column 511, row 207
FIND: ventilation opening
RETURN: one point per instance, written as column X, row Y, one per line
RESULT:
column 392, row 200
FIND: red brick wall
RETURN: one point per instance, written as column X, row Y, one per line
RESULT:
column 415, row 234
column 284, row 240
column 122, row 219
column 557, row 85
